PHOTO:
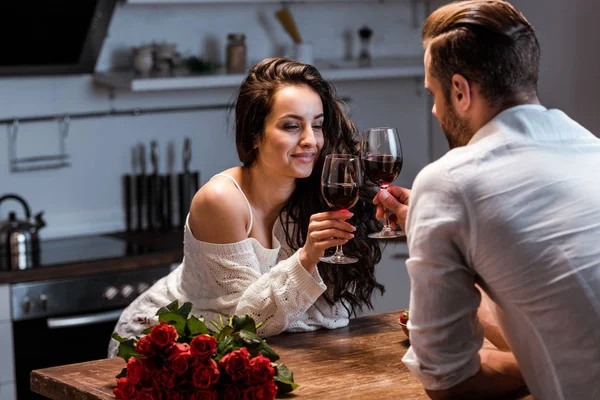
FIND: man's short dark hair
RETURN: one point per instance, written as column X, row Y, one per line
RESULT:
column 490, row 43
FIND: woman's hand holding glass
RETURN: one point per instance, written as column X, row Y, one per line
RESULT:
column 340, row 186
column 326, row 229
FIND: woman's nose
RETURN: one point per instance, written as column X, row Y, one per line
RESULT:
column 308, row 137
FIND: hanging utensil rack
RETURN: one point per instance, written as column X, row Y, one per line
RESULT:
column 60, row 159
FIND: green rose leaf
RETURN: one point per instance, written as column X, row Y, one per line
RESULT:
column 196, row 327
column 118, row 338
column 251, row 341
column 243, row 323
column 226, row 331
column 284, row 387
column 284, row 379
column 268, row 352
column 174, row 319
column 122, row 374
column 127, row 350
column 171, row 307
column 225, row 346
column 250, row 337
column 184, row 310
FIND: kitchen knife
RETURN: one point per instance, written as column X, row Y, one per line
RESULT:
column 139, row 185
column 184, row 182
column 154, row 210
column 168, row 197
column 127, row 179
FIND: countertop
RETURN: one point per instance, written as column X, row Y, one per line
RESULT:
column 362, row 360
column 89, row 255
column 120, row 251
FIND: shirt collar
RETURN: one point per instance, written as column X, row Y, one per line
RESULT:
column 499, row 121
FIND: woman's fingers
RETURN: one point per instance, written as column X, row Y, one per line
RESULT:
column 327, row 215
column 327, row 234
column 329, row 224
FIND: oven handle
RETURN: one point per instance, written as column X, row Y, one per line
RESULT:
column 82, row 320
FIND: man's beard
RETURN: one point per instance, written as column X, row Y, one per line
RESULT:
column 457, row 130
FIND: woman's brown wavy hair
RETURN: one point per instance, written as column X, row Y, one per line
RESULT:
column 353, row 284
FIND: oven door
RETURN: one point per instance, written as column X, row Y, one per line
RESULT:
column 47, row 342
column 70, row 321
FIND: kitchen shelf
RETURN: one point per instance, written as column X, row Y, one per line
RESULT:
column 390, row 68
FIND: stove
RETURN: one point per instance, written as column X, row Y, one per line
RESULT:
column 54, row 252
column 69, row 320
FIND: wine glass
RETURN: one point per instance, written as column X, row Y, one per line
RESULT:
column 340, row 183
column 381, row 154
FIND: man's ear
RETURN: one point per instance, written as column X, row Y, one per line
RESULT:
column 460, row 93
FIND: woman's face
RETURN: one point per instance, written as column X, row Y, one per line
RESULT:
column 293, row 132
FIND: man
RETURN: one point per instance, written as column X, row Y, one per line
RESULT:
column 512, row 209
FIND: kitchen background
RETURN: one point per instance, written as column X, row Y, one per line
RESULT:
column 86, row 198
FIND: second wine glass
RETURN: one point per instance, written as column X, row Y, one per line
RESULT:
column 340, row 183
column 381, row 154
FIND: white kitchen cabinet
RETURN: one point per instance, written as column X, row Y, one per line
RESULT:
column 8, row 392
column 4, row 303
column 6, row 350
column 391, row 272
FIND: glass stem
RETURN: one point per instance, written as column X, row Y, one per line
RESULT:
column 386, row 217
column 338, row 251
column 386, row 221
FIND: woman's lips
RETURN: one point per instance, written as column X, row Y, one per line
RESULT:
column 306, row 158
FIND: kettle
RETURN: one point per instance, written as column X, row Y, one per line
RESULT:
column 19, row 239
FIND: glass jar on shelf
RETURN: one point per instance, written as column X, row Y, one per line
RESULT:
column 236, row 53
column 364, row 56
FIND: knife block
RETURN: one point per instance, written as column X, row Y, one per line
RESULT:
column 148, row 200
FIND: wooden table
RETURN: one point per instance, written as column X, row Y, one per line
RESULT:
column 362, row 360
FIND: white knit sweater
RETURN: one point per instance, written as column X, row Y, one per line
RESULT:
column 239, row 278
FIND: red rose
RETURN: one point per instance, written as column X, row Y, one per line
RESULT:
column 147, row 393
column 135, row 370
column 204, row 395
column 203, row 346
column 260, row 370
column 175, row 395
column 124, row 390
column 145, row 347
column 179, row 357
column 205, row 375
column 150, row 368
column 263, row 391
column 233, row 392
column 237, row 364
column 163, row 334
column 165, row 378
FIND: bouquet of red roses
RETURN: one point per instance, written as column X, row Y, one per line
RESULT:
column 182, row 358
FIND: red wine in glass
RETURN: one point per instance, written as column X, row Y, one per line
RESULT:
column 340, row 181
column 382, row 169
column 340, row 196
column 381, row 154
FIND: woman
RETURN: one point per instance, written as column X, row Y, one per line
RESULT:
column 254, row 233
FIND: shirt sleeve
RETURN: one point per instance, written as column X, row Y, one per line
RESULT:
column 445, row 333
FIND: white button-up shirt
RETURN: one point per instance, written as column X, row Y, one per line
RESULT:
column 517, row 211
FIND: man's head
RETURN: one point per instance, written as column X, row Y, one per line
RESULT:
column 481, row 57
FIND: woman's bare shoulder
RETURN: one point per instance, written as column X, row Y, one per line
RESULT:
column 219, row 213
